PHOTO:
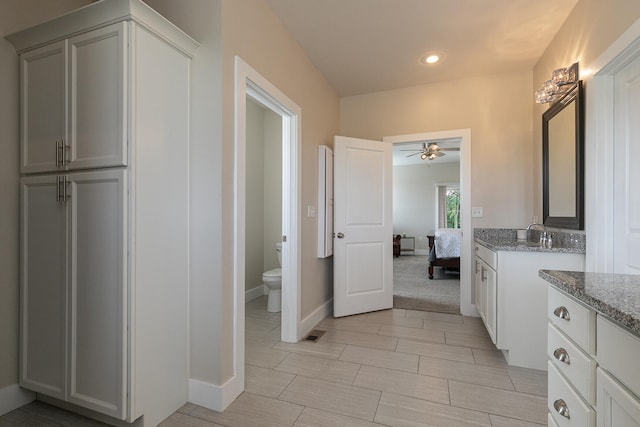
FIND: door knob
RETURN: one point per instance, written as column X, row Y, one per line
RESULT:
column 340, row 236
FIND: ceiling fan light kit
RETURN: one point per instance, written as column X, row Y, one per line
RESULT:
column 431, row 151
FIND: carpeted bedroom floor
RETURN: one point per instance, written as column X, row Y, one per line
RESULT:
column 413, row 290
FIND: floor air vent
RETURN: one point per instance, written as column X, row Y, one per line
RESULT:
column 314, row 335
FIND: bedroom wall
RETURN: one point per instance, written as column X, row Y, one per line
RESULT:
column 414, row 199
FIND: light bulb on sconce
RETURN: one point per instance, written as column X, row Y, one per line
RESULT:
column 562, row 80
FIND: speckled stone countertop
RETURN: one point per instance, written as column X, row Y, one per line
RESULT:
column 504, row 239
column 616, row 296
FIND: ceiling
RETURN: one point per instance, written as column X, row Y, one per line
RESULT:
column 364, row 46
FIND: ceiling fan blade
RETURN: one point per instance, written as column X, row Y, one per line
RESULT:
column 411, row 155
column 449, row 149
column 413, row 149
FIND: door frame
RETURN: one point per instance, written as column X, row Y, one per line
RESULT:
column 248, row 82
column 467, row 308
column 599, row 168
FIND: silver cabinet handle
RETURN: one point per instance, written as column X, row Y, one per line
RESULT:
column 561, row 407
column 65, row 185
column 483, row 275
column 562, row 313
column 340, row 236
column 562, row 355
column 58, row 147
column 64, row 149
column 477, row 265
column 58, row 192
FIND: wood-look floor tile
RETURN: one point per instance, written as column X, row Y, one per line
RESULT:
column 249, row 410
column 317, row 367
column 265, row 382
column 489, row 357
column 466, row 340
column 438, row 317
column 42, row 414
column 396, row 410
column 349, row 324
column 178, row 419
column 458, row 328
column 408, row 322
column 381, row 358
column 187, row 408
column 362, row 340
column 403, row 383
column 332, row 397
column 525, row 407
column 467, row 372
column 413, row 333
column 330, row 350
column 264, row 357
column 383, row 316
column 498, row 421
column 441, row 351
column 315, row 418
column 531, row 381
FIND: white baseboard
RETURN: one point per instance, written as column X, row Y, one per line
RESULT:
column 310, row 322
column 13, row 396
column 213, row 396
column 254, row 293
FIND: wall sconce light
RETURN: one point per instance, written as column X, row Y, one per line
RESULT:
column 561, row 81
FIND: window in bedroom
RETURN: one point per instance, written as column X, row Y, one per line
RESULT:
column 453, row 207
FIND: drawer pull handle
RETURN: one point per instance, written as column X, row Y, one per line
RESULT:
column 562, row 355
column 562, row 313
column 562, row 408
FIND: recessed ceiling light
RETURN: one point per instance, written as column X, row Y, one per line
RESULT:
column 431, row 59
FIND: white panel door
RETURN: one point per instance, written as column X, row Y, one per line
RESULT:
column 627, row 174
column 98, row 98
column 44, row 114
column 363, row 226
column 98, row 301
column 43, row 289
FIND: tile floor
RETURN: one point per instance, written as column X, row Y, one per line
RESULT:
column 388, row 368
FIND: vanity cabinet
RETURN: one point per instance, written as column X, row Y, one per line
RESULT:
column 593, row 374
column 571, row 349
column 512, row 299
column 74, row 102
column 105, row 100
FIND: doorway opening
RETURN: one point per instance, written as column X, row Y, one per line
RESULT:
column 429, row 212
column 253, row 90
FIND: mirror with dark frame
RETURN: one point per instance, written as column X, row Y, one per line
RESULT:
column 563, row 161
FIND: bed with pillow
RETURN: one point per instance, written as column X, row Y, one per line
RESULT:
column 444, row 249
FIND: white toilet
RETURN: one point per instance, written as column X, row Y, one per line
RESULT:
column 272, row 279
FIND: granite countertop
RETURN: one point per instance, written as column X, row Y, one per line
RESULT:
column 616, row 296
column 499, row 239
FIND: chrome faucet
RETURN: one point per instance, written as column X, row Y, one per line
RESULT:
column 544, row 236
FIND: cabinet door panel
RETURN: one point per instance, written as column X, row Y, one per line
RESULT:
column 491, row 308
column 43, row 325
column 617, row 407
column 97, row 294
column 98, row 96
column 43, row 115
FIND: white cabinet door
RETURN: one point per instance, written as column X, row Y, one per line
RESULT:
column 98, row 291
column 44, row 108
column 98, row 98
column 43, row 287
column 617, row 407
column 491, row 285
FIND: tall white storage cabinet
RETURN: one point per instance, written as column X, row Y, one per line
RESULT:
column 104, row 231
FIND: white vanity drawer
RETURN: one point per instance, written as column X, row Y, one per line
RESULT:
column 563, row 397
column 578, row 367
column 618, row 352
column 574, row 319
column 487, row 255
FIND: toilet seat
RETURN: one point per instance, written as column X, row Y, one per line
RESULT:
column 272, row 275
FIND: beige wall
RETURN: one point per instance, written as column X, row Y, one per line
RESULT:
column 589, row 30
column 414, row 198
column 498, row 111
column 249, row 29
column 15, row 15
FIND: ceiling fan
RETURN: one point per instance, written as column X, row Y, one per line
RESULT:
column 430, row 151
